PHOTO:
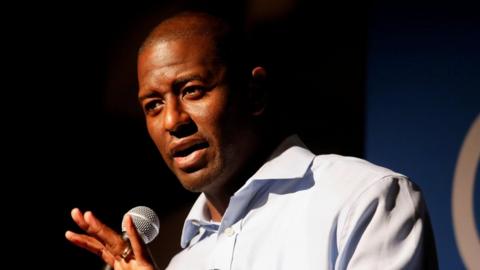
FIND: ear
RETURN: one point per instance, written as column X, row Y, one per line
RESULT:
column 258, row 91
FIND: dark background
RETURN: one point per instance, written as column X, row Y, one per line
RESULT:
column 79, row 134
column 74, row 136
column 422, row 98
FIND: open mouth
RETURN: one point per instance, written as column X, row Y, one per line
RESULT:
column 191, row 149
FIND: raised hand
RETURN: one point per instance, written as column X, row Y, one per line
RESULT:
column 108, row 244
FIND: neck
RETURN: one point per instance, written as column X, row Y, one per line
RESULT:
column 219, row 199
column 216, row 206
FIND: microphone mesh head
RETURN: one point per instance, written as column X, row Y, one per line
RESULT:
column 146, row 222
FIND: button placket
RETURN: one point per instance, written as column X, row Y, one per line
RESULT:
column 222, row 255
column 229, row 231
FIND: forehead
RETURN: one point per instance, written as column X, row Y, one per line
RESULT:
column 177, row 51
column 167, row 63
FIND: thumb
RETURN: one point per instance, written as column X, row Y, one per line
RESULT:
column 139, row 248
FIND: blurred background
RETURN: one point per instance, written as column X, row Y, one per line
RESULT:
column 395, row 82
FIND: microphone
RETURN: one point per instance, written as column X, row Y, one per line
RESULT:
column 147, row 224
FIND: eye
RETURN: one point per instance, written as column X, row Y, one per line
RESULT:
column 193, row 92
column 153, row 106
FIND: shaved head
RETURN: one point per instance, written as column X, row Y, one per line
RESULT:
column 229, row 42
column 187, row 25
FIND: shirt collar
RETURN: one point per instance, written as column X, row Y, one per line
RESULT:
column 290, row 160
column 281, row 165
column 197, row 217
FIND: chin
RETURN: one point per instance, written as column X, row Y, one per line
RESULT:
column 197, row 181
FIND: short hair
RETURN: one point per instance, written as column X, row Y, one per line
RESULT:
column 230, row 40
column 234, row 48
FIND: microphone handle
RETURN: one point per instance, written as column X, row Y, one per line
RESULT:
column 125, row 237
column 107, row 266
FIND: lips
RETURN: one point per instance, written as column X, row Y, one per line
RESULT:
column 189, row 155
column 189, row 149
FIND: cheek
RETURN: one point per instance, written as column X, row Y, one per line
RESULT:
column 210, row 115
column 156, row 135
column 211, row 109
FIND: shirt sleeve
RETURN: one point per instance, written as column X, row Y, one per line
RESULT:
column 386, row 227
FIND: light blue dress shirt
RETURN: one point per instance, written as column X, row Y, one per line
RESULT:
column 301, row 211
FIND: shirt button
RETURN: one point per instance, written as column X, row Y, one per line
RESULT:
column 229, row 231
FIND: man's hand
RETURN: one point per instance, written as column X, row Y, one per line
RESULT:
column 109, row 245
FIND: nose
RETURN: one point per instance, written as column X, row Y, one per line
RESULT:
column 177, row 121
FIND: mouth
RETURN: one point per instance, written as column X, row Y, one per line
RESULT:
column 190, row 157
column 187, row 151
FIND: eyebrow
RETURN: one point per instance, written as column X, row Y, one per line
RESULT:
column 181, row 81
column 151, row 94
column 176, row 85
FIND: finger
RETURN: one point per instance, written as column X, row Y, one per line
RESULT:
column 123, row 265
column 91, row 244
column 85, row 241
column 119, row 265
column 111, row 240
column 138, row 246
column 77, row 216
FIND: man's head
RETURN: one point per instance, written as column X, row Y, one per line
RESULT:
column 200, row 108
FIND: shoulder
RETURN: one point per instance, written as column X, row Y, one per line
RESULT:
column 349, row 167
column 351, row 173
column 351, row 182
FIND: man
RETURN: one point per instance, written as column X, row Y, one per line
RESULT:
column 266, row 201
